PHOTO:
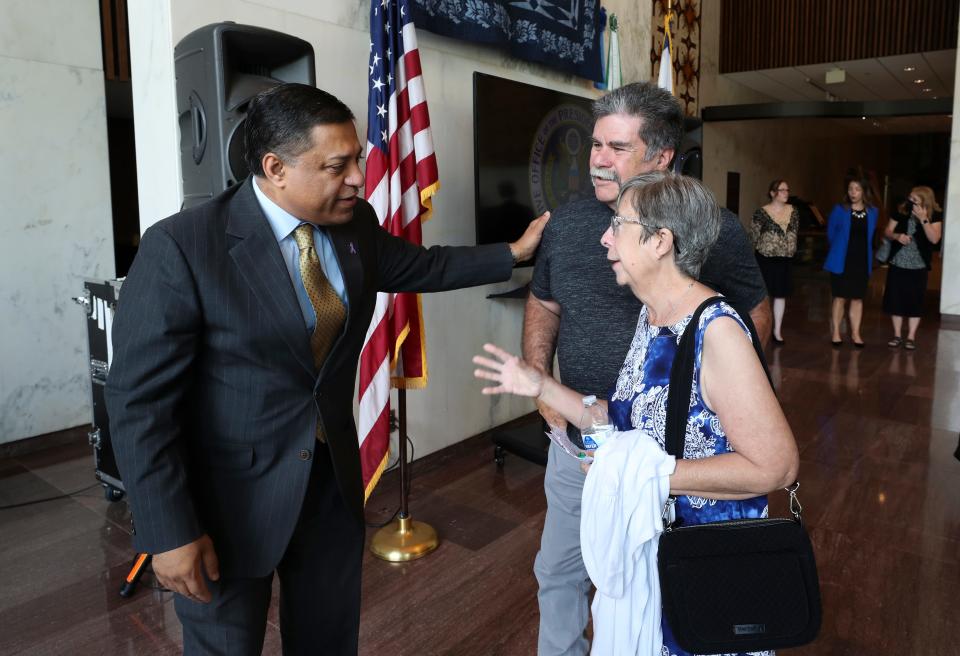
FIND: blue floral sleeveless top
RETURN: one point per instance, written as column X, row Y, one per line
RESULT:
column 640, row 401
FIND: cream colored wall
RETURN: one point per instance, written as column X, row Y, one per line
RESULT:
column 714, row 88
column 749, row 148
column 457, row 323
column 56, row 228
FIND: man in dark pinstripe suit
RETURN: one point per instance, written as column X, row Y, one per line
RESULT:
column 215, row 400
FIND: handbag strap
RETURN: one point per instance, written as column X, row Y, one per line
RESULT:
column 681, row 384
column 681, row 376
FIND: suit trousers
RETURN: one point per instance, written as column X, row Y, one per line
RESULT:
column 319, row 585
column 564, row 585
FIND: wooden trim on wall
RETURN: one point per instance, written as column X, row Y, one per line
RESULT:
column 115, row 40
column 760, row 34
column 106, row 38
column 123, row 41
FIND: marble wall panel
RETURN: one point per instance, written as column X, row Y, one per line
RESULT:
column 56, row 230
column 53, row 31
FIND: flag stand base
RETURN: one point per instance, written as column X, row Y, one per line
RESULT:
column 404, row 539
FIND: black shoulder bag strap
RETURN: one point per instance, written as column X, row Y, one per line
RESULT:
column 681, row 378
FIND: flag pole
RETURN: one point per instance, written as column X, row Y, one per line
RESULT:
column 403, row 539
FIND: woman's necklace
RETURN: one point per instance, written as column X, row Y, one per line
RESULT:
column 674, row 305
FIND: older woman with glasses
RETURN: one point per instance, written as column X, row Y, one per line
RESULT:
column 742, row 447
column 773, row 231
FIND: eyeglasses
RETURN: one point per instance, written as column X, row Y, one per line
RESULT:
column 786, row 190
column 616, row 221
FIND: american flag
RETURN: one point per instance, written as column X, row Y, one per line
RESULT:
column 401, row 177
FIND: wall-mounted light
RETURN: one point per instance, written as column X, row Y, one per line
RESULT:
column 835, row 76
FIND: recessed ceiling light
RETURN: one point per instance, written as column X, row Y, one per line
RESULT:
column 909, row 69
column 927, row 90
column 919, row 81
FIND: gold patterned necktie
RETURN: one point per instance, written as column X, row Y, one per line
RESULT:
column 324, row 299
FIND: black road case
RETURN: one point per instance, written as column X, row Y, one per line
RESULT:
column 99, row 299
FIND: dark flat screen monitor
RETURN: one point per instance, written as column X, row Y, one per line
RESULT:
column 531, row 154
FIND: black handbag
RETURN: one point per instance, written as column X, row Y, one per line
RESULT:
column 739, row 585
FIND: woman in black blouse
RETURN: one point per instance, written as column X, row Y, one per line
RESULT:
column 913, row 235
column 773, row 232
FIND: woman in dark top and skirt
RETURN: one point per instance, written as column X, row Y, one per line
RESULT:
column 849, row 230
column 912, row 234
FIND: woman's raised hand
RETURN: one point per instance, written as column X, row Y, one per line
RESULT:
column 513, row 375
column 921, row 213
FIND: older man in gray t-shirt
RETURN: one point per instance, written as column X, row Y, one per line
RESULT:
column 577, row 310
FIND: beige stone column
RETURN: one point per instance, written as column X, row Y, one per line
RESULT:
column 950, row 249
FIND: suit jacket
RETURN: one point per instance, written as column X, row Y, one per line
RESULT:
column 212, row 395
column 838, row 235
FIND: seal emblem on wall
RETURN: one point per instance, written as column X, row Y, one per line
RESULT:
column 560, row 158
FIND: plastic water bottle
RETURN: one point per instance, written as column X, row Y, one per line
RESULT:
column 596, row 424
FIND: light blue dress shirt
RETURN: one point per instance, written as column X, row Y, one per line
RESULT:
column 283, row 224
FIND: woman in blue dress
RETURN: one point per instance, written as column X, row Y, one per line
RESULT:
column 738, row 444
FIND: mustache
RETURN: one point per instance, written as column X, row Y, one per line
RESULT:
column 604, row 174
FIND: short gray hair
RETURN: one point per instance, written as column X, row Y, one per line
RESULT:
column 660, row 114
column 681, row 205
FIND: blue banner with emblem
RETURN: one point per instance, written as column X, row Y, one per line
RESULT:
column 562, row 34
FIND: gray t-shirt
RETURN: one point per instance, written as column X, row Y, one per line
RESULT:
column 598, row 317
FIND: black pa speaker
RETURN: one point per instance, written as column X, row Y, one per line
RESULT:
column 219, row 68
column 688, row 159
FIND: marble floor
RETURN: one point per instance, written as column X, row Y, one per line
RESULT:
column 877, row 430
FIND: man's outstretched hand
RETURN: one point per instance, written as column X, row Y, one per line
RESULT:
column 180, row 570
column 524, row 248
